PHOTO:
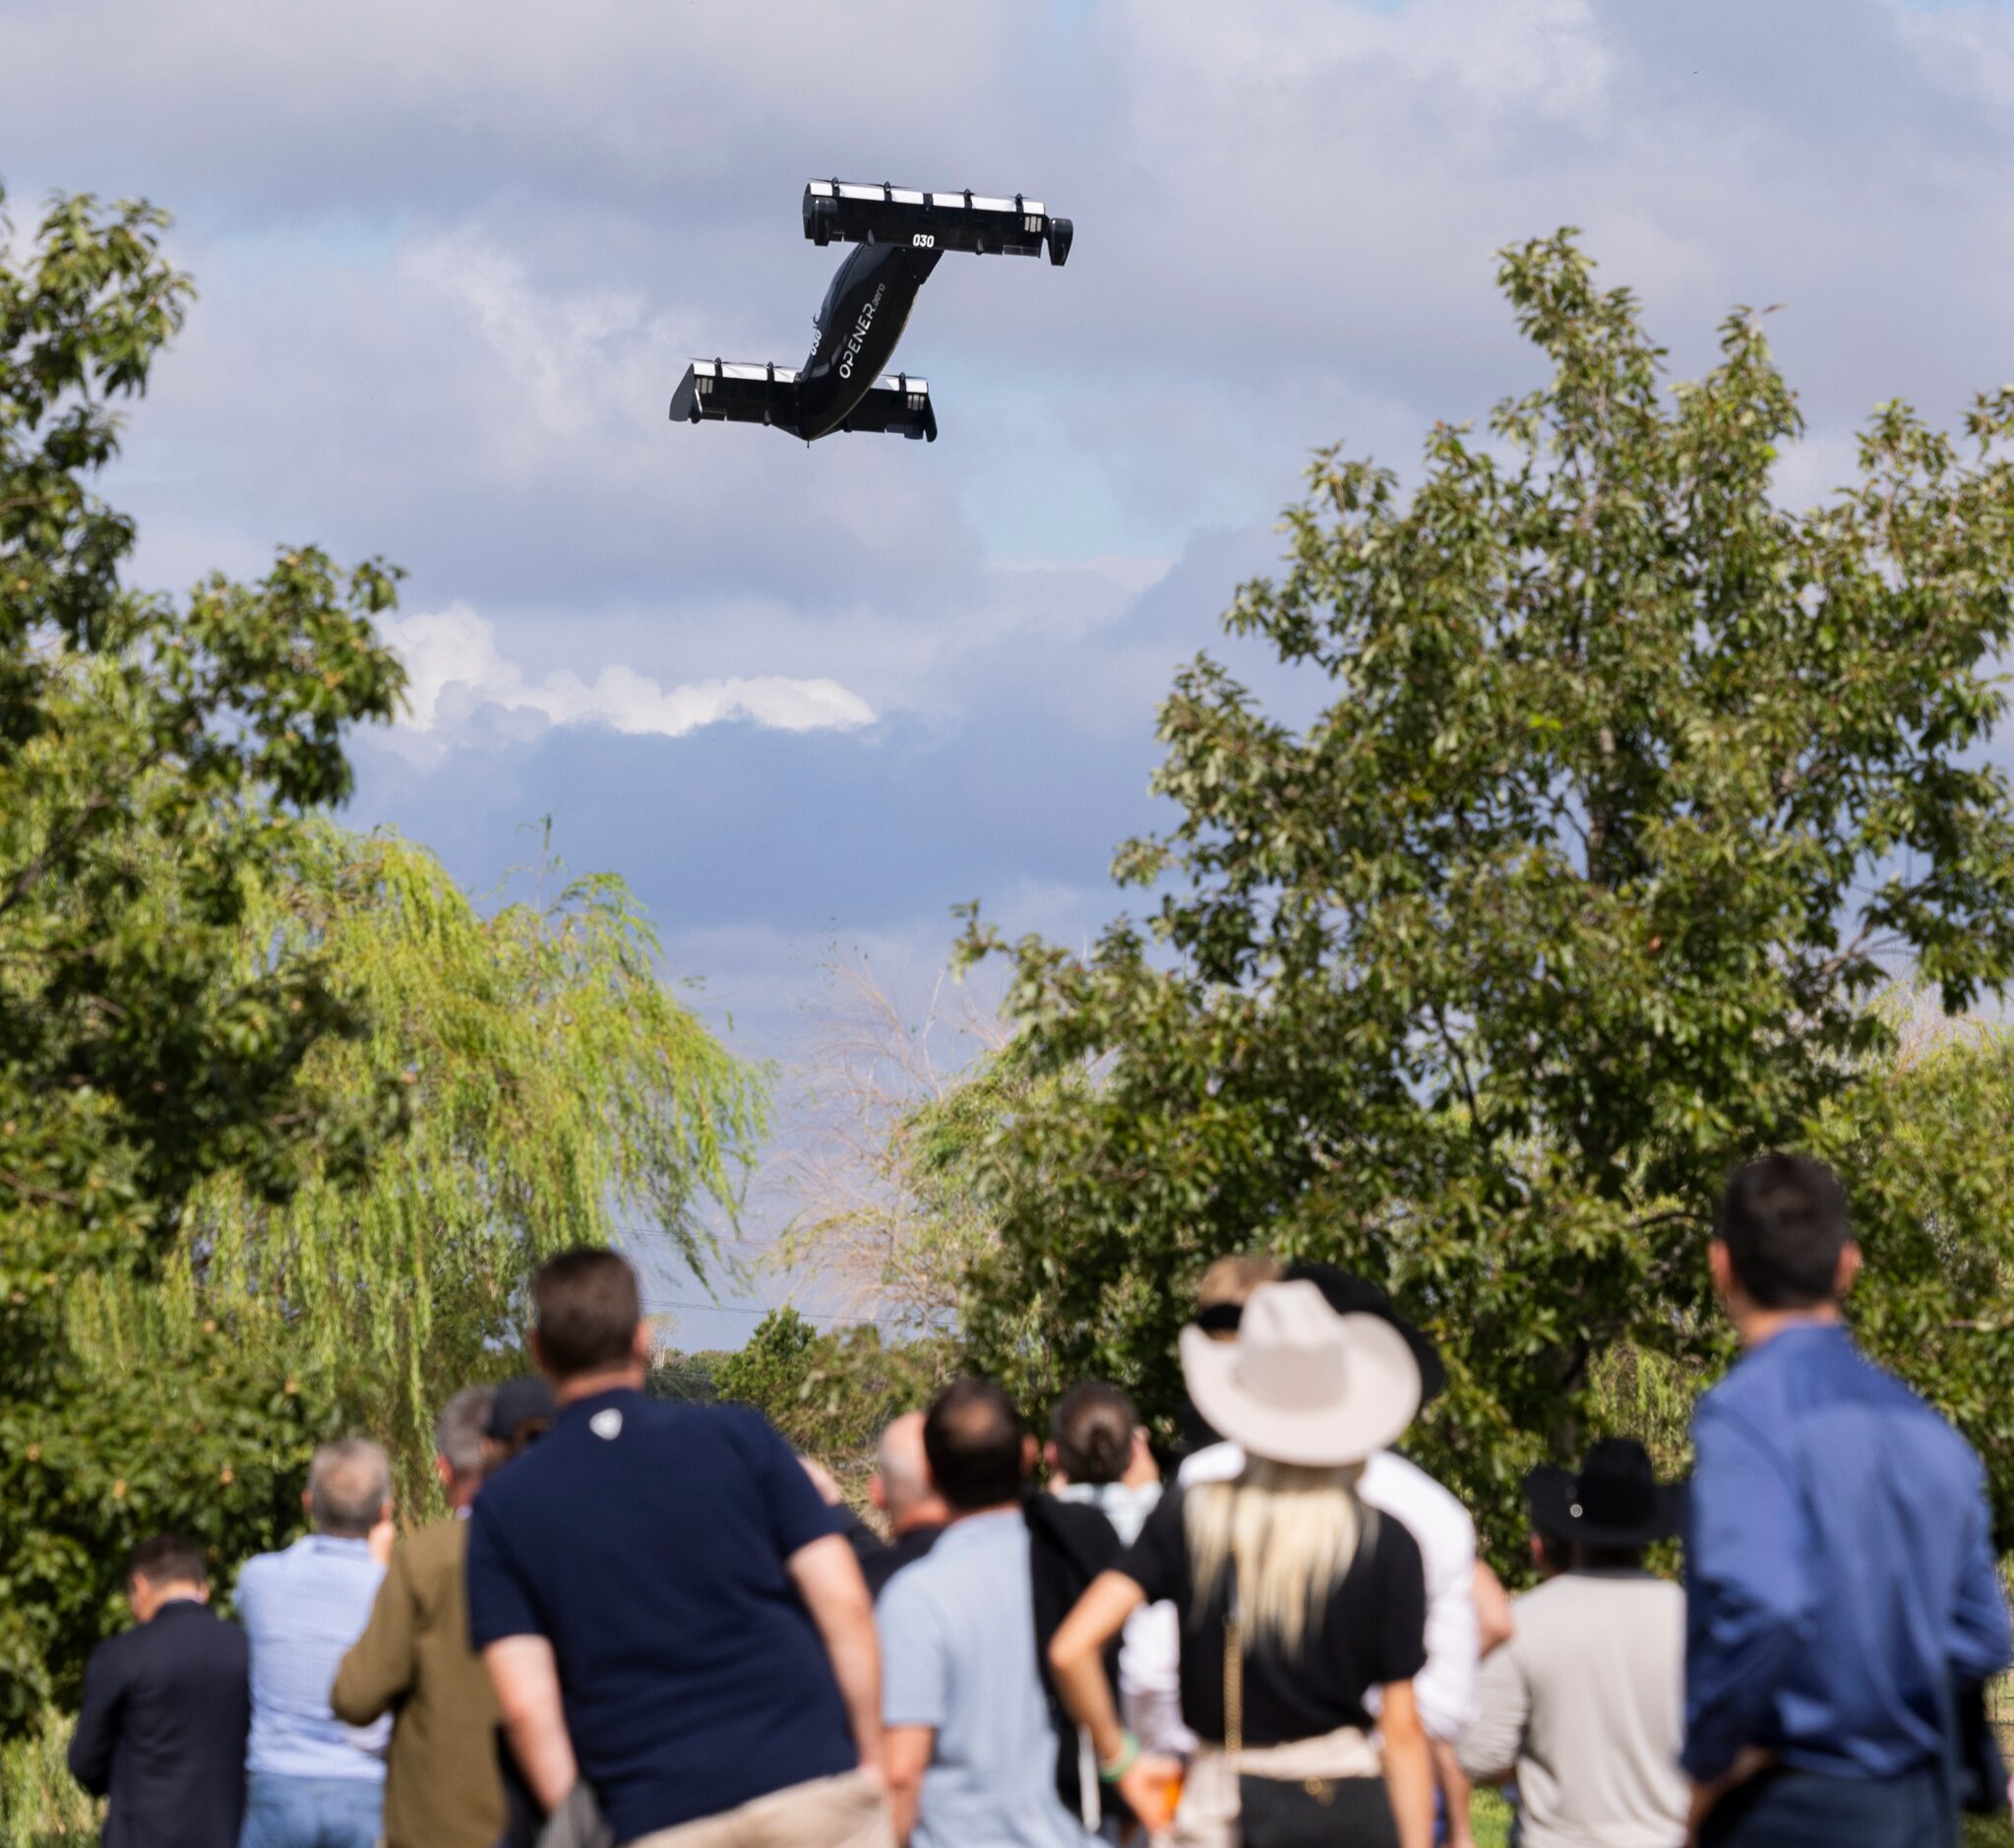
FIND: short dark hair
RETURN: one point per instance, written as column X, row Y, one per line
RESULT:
column 168, row 1560
column 1093, row 1427
column 973, row 1435
column 1784, row 1222
column 586, row 1309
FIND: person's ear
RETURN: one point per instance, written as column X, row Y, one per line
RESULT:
column 1850, row 1261
column 444, row 1470
column 645, row 1342
column 1048, row 1456
column 1720, row 1268
column 307, row 1503
column 1031, row 1453
column 877, row 1492
column 202, row 1592
column 536, row 1349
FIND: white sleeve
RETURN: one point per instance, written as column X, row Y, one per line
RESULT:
column 1150, row 1678
column 1445, row 1689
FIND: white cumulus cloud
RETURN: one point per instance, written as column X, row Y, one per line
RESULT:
column 454, row 669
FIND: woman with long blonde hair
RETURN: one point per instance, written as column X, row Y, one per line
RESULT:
column 1294, row 1600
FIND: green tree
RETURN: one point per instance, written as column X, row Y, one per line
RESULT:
column 1630, row 785
column 153, row 753
column 830, row 1392
column 559, row 1094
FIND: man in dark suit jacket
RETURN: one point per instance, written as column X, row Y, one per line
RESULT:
column 166, row 1710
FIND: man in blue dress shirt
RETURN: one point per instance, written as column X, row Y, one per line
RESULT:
column 1841, row 1582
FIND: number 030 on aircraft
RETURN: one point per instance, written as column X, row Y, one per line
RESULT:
column 841, row 386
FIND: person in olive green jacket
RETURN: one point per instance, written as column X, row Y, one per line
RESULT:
column 442, row 1788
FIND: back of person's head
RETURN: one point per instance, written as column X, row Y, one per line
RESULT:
column 521, row 1411
column 168, row 1559
column 459, row 1431
column 973, row 1435
column 585, row 1311
column 1092, row 1428
column 349, row 1487
column 1784, row 1222
column 1227, row 1286
column 901, row 1472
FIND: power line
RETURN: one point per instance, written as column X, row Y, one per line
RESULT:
column 809, row 1315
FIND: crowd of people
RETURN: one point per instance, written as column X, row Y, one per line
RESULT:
column 654, row 1624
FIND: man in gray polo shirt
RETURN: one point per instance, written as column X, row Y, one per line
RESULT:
column 1585, row 1705
column 969, row 1748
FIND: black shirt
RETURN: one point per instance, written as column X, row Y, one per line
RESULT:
column 166, row 1710
column 1371, row 1630
column 905, row 1549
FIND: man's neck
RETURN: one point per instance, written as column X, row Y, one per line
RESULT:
column 585, row 1385
column 1755, row 1326
column 954, row 1516
column 930, row 1514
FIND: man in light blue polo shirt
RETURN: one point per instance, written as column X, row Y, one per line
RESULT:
column 970, row 1747
column 311, row 1781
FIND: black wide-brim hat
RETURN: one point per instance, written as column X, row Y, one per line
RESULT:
column 1615, row 1501
column 1351, row 1295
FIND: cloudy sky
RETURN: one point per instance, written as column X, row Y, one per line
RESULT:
column 453, row 259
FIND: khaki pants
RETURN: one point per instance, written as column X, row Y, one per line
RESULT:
column 828, row 1812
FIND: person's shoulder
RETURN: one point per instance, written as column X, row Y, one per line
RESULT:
column 731, row 1419
column 258, row 1568
column 1395, row 1547
column 916, row 1596
column 1402, row 1489
column 434, row 1548
column 1078, row 1525
column 111, row 1658
column 1940, row 1441
column 221, row 1642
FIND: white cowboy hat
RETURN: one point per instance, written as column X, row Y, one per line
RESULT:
column 1302, row 1384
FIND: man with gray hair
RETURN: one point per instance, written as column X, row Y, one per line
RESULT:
column 310, row 1780
column 441, row 1787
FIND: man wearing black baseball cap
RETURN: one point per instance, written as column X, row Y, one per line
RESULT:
column 1585, row 1705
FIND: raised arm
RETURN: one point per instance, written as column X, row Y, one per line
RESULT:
column 379, row 1668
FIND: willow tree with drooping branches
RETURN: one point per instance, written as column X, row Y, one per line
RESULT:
column 557, row 1092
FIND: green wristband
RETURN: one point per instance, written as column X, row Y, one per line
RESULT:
column 1129, row 1757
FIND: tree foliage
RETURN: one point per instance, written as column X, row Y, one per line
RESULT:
column 830, row 1392
column 559, row 1093
column 153, row 753
column 1631, row 787
column 285, row 1118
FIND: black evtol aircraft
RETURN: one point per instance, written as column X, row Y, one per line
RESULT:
column 901, row 234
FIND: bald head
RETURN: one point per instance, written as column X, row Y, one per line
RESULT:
column 901, row 1487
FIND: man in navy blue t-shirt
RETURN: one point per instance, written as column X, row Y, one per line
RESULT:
column 665, row 1606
